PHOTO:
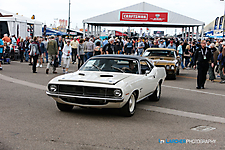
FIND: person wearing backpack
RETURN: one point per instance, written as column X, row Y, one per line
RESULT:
column 34, row 52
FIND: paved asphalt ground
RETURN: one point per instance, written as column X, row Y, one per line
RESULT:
column 29, row 119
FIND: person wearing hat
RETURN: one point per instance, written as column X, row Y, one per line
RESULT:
column 52, row 49
column 162, row 45
column 66, row 56
column 155, row 45
column 171, row 45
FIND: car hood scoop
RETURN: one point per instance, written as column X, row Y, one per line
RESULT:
column 94, row 77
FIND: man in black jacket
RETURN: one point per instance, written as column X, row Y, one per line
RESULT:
column 203, row 55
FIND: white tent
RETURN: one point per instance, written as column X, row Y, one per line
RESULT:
column 142, row 15
column 17, row 24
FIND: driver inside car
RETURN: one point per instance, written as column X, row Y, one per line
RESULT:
column 132, row 68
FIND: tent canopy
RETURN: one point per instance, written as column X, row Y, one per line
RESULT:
column 14, row 17
column 143, row 15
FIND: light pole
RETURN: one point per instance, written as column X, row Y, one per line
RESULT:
column 69, row 21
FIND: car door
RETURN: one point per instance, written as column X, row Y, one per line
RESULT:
column 148, row 79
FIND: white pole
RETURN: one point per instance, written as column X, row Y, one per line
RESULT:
column 197, row 33
column 189, row 33
column 202, row 31
column 88, row 34
column 83, row 30
column 92, row 30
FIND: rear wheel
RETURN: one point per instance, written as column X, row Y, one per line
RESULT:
column 64, row 107
column 129, row 108
column 157, row 93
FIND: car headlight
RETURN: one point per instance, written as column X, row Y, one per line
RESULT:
column 172, row 67
column 53, row 88
column 167, row 67
column 117, row 93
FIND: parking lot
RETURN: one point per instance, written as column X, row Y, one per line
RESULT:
column 30, row 119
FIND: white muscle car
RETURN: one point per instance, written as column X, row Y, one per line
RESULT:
column 108, row 81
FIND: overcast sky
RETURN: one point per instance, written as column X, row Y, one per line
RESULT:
column 47, row 10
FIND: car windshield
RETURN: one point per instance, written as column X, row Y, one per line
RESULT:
column 111, row 65
column 162, row 53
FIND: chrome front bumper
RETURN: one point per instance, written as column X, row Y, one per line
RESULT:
column 84, row 97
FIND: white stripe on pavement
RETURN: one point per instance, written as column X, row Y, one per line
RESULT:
column 197, row 91
column 17, row 81
column 182, row 113
column 141, row 106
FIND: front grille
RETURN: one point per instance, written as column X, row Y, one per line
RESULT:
column 86, row 91
column 85, row 101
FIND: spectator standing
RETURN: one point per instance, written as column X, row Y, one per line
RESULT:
column 41, row 54
column 66, row 56
column 128, row 48
column 171, row 45
column 155, row 45
column 26, row 44
column 98, row 49
column 74, row 45
column 162, row 45
column 105, row 41
column 108, row 48
column 21, row 49
column 193, row 49
column 1, row 51
column 221, row 61
column 80, row 53
column 187, row 54
column 35, row 52
column 45, row 43
column 141, row 46
column 203, row 56
column 60, row 45
column 90, row 48
column 52, row 49
column 180, row 53
column 117, row 46
column 6, row 38
column 211, row 70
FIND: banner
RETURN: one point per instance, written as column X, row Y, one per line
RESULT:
column 143, row 16
column 216, row 23
column 221, row 23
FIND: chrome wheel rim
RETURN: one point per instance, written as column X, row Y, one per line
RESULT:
column 132, row 103
column 158, row 90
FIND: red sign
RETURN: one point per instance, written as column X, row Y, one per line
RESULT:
column 144, row 16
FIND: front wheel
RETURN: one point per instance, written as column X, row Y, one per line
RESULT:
column 64, row 107
column 157, row 93
column 129, row 108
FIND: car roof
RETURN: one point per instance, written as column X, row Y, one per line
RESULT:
column 160, row 49
column 119, row 56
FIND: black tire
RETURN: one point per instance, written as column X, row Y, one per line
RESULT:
column 64, row 107
column 178, row 71
column 129, row 108
column 157, row 93
column 174, row 76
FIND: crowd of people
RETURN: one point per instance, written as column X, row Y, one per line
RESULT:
column 58, row 51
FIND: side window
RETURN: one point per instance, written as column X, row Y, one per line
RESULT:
column 144, row 66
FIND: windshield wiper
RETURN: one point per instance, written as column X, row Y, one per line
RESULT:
column 118, row 69
column 97, row 67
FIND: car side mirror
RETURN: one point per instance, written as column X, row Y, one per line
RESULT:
column 147, row 72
